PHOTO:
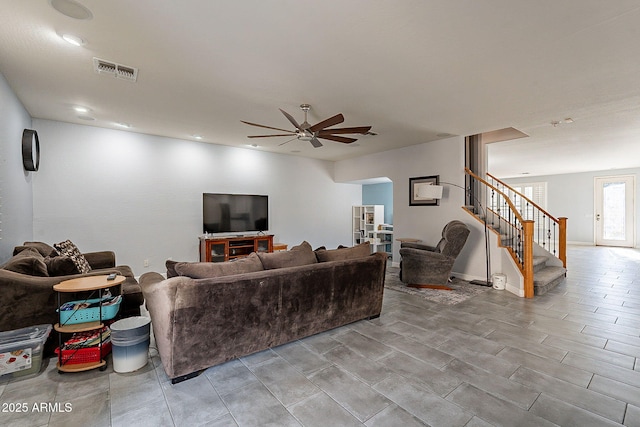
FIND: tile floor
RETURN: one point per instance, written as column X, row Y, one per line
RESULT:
column 570, row 358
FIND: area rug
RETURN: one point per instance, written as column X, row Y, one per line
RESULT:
column 462, row 290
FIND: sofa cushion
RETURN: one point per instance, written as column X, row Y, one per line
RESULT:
column 44, row 249
column 171, row 268
column 358, row 251
column 296, row 256
column 68, row 248
column 28, row 261
column 60, row 266
column 203, row 270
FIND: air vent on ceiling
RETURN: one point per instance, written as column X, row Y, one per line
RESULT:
column 117, row 70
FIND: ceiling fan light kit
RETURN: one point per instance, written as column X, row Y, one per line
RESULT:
column 306, row 132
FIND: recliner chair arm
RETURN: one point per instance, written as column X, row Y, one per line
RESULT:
column 424, row 255
column 417, row 246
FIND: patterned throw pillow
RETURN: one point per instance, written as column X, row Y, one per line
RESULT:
column 67, row 248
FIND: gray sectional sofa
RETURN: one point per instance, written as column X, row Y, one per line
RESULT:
column 205, row 314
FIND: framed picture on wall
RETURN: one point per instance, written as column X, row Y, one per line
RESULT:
column 422, row 191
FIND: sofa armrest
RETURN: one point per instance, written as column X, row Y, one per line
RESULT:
column 150, row 278
column 26, row 300
column 160, row 299
column 29, row 300
column 102, row 259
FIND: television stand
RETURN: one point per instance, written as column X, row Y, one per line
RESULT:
column 219, row 249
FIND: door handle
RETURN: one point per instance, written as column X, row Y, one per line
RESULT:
column 597, row 217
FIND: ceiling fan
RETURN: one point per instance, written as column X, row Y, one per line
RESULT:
column 305, row 132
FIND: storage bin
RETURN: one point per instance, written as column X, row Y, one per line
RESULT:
column 84, row 355
column 21, row 351
column 72, row 317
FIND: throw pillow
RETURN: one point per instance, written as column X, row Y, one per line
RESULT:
column 44, row 249
column 344, row 253
column 67, row 248
column 297, row 255
column 60, row 266
column 203, row 270
column 29, row 261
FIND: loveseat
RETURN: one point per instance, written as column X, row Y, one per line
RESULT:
column 27, row 297
column 209, row 313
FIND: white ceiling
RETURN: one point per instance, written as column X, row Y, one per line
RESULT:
column 414, row 70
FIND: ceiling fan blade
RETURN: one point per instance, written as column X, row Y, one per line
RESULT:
column 266, row 127
column 314, row 141
column 290, row 117
column 359, row 129
column 289, row 140
column 337, row 138
column 331, row 121
column 269, row 136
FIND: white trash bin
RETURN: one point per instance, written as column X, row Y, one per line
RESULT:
column 130, row 339
column 499, row 281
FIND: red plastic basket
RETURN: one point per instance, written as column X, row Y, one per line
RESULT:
column 84, row 355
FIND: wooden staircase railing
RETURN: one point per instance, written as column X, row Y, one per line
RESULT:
column 549, row 232
column 496, row 210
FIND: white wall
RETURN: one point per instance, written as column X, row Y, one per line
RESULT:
column 141, row 195
column 16, row 197
column 572, row 196
column 444, row 158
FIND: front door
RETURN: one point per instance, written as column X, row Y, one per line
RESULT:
column 614, row 210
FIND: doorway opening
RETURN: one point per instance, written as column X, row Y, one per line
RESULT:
column 614, row 211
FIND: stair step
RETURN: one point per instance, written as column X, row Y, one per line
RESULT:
column 547, row 278
column 539, row 263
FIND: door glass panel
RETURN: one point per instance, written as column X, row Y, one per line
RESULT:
column 613, row 196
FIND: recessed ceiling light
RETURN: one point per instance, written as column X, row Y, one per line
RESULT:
column 71, row 9
column 80, row 109
column 568, row 120
column 123, row 125
column 198, row 137
column 74, row 40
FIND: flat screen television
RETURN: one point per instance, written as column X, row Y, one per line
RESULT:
column 234, row 213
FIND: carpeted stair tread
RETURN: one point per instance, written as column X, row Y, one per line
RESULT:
column 539, row 263
column 547, row 279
